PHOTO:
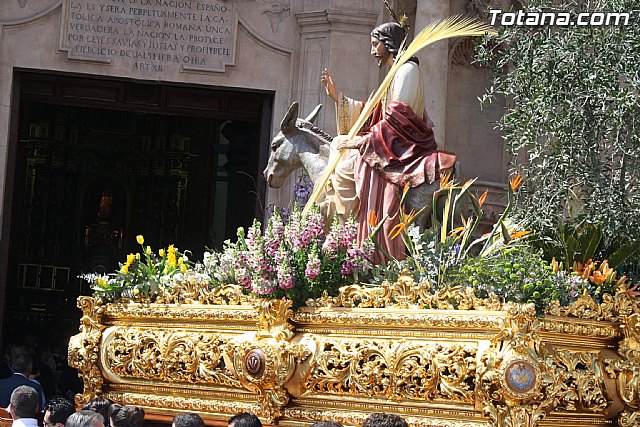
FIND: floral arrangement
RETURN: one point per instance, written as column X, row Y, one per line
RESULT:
column 142, row 274
column 505, row 262
column 295, row 260
column 297, row 257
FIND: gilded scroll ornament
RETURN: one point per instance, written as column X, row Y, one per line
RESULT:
column 193, row 292
column 266, row 360
column 167, row 355
column 627, row 371
column 84, row 348
column 515, row 388
column 406, row 293
column 396, row 370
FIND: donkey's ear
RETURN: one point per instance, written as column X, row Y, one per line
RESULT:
column 289, row 120
column 314, row 114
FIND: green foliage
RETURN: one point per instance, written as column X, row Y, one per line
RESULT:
column 572, row 244
column 517, row 274
column 573, row 126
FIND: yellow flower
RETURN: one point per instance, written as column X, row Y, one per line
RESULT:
column 148, row 250
column 140, row 239
column 101, row 282
column 171, row 256
column 161, row 253
column 125, row 269
column 183, row 267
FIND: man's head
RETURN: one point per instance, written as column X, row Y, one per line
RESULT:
column 85, row 418
column 386, row 40
column 244, row 419
column 188, row 419
column 22, row 363
column 379, row 419
column 56, row 412
column 24, row 402
column 327, row 424
column 100, row 405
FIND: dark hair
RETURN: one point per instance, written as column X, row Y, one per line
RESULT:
column 125, row 416
column 59, row 409
column 25, row 401
column 380, row 419
column 84, row 418
column 244, row 419
column 391, row 35
column 22, row 363
column 101, row 406
column 188, row 419
column 327, row 423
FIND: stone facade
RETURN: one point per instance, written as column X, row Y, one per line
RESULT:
column 275, row 46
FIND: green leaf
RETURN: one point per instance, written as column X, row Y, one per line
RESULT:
column 623, row 253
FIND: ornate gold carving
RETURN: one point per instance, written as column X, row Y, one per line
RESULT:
column 165, row 355
column 515, row 388
column 405, row 293
column 193, row 292
column 395, row 370
column 610, row 309
column 355, row 418
column 441, row 358
column 627, row 371
column 265, row 361
column 179, row 403
column 84, row 348
column 580, row 380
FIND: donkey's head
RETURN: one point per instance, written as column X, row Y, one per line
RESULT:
column 296, row 137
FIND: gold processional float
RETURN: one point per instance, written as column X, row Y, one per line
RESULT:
column 392, row 348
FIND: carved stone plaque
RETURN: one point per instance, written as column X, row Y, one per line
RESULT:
column 151, row 35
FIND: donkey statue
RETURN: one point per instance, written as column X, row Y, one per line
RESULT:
column 301, row 144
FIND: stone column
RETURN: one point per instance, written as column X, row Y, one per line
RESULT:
column 434, row 63
column 339, row 40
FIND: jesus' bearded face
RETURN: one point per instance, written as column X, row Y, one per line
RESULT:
column 380, row 52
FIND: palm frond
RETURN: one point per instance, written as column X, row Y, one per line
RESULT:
column 455, row 26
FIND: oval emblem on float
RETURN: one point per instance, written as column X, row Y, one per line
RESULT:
column 254, row 362
column 520, row 376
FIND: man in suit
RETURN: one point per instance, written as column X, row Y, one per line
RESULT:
column 21, row 366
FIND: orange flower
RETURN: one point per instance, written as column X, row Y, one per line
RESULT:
column 519, row 234
column 445, row 182
column 373, row 219
column 515, row 181
column 406, row 188
column 456, row 230
column 483, row 198
column 400, row 227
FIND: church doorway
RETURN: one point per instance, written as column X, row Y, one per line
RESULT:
column 94, row 162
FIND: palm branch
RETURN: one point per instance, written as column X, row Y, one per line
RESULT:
column 454, row 26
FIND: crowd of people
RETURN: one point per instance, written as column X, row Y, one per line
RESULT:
column 24, row 408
